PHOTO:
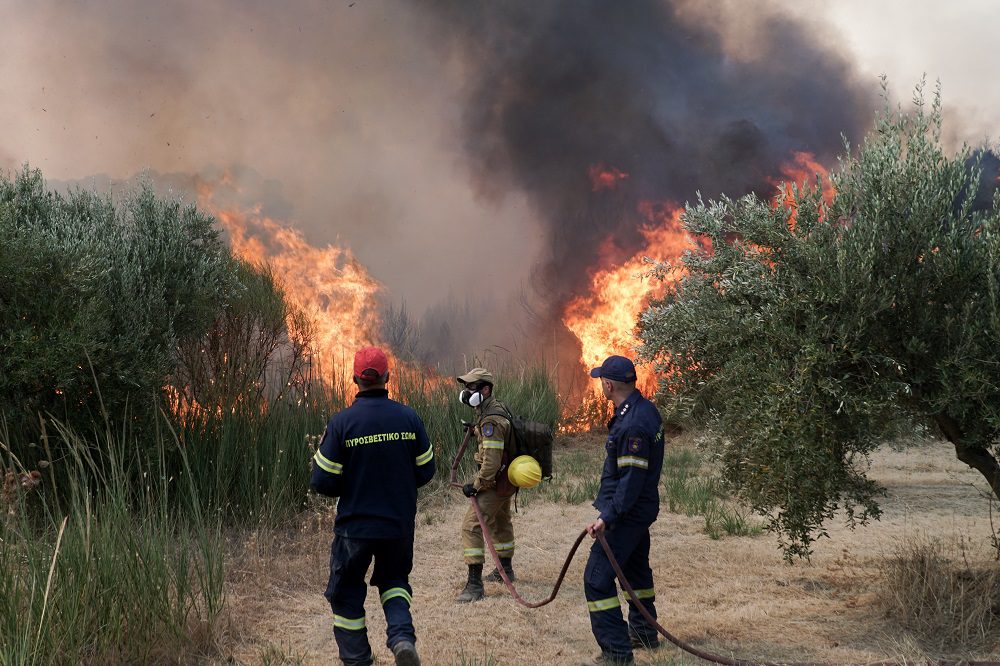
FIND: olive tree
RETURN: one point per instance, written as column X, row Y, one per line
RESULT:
column 807, row 331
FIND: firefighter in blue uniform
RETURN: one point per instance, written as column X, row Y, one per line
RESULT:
column 628, row 501
column 374, row 455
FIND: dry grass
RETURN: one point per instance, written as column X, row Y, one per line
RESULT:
column 942, row 598
column 733, row 596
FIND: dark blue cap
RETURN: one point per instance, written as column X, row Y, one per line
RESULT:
column 615, row 368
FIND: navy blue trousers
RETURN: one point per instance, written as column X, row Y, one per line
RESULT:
column 630, row 545
column 346, row 592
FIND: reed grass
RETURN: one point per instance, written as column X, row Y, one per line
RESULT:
column 118, row 556
column 252, row 467
column 111, row 572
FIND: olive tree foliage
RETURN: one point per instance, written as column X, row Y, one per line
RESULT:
column 95, row 295
column 810, row 330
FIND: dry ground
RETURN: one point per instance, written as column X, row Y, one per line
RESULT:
column 734, row 596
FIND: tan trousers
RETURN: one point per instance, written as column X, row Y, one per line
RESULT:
column 496, row 512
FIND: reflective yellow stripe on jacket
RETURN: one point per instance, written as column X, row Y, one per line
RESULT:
column 328, row 465
column 633, row 461
column 493, row 444
column 426, row 456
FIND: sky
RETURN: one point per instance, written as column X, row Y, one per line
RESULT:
column 349, row 119
column 953, row 43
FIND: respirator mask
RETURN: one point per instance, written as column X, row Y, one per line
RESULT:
column 469, row 397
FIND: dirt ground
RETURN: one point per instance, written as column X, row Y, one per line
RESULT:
column 734, row 596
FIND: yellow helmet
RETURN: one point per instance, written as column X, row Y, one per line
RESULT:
column 524, row 472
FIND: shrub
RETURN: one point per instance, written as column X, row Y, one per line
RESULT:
column 95, row 295
column 254, row 351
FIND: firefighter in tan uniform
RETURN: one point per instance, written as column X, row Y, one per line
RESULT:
column 491, row 429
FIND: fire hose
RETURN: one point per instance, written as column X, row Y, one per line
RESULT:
column 702, row 654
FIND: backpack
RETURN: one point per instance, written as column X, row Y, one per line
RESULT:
column 528, row 438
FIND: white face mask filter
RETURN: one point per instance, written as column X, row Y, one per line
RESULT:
column 471, row 398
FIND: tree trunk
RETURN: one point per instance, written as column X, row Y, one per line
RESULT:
column 977, row 457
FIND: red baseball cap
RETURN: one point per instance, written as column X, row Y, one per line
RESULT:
column 370, row 363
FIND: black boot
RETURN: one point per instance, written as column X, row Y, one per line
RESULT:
column 405, row 654
column 474, row 586
column 494, row 576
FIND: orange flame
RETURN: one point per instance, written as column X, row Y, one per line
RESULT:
column 604, row 177
column 329, row 284
column 604, row 319
column 801, row 171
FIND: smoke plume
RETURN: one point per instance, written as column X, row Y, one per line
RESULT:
column 556, row 88
column 461, row 149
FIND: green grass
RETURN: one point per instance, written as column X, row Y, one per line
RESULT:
column 690, row 488
column 253, row 466
column 112, row 572
column 117, row 557
column 690, row 495
column 722, row 519
column 576, row 479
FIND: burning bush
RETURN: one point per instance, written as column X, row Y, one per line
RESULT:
column 254, row 352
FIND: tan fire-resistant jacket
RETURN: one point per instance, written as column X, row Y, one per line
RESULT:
column 491, row 432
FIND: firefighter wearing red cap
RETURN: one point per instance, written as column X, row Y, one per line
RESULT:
column 492, row 427
column 374, row 455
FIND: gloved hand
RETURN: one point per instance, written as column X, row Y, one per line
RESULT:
column 469, row 490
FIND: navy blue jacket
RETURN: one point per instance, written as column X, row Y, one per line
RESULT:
column 629, row 492
column 374, row 455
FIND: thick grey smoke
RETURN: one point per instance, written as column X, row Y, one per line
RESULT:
column 448, row 143
column 335, row 116
column 558, row 87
